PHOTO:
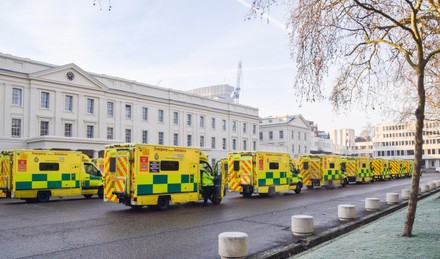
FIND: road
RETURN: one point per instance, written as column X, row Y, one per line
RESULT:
column 76, row 227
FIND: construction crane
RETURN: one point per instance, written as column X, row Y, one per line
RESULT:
column 236, row 93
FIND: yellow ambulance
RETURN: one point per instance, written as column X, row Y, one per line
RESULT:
column 37, row 175
column 331, row 172
column 348, row 166
column 309, row 169
column 263, row 173
column 140, row 175
column 396, row 168
column 380, row 168
column 363, row 169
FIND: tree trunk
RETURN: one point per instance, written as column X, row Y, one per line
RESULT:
column 415, row 180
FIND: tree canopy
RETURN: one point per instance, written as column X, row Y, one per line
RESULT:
column 381, row 51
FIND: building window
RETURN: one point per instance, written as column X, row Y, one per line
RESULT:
column 144, row 113
column 188, row 119
column 213, row 142
column 189, row 140
column 161, row 140
column 261, row 135
column 254, row 129
column 160, row 116
column 109, row 133
column 234, row 144
column 281, row 134
column 145, row 136
column 176, row 118
column 16, row 96
column 202, row 141
column 224, row 144
column 176, row 139
column 90, row 106
column 202, row 122
column 213, row 123
column 244, row 127
column 128, row 111
column 244, row 144
column 16, row 128
column 127, row 135
column 68, row 130
column 299, row 136
column 68, row 103
column 44, row 128
column 110, row 109
column 254, row 145
column 45, row 100
column 224, row 124
column 234, row 126
column 305, row 136
column 90, row 131
column 270, row 135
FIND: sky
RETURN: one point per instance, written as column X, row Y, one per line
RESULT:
column 177, row 44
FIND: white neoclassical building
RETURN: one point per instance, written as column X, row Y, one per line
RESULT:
column 44, row 106
column 290, row 133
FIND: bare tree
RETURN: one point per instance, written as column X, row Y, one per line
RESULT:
column 380, row 48
column 368, row 132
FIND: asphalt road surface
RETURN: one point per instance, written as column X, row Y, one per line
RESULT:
column 77, row 227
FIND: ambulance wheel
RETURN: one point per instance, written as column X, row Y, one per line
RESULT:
column 309, row 187
column 344, row 183
column 101, row 192
column 163, row 202
column 298, row 188
column 215, row 200
column 247, row 194
column 88, row 196
column 43, row 196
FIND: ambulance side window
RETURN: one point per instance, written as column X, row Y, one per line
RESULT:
column 343, row 166
column 91, row 169
column 49, row 167
column 218, row 169
column 169, row 166
column 113, row 165
column 306, row 165
column 364, row 165
column 332, row 165
column 236, row 166
column 274, row 166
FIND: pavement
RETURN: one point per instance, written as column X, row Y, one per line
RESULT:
column 374, row 236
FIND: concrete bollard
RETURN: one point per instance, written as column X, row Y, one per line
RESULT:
column 346, row 212
column 425, row 188
column 302, row 225
column 392, row 198
column 432, row 185
column 437, row 183
column 372, row 204
column 233, row 245
column 406, row 193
